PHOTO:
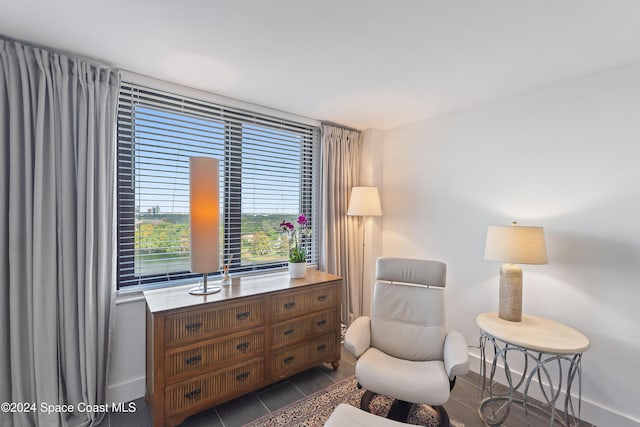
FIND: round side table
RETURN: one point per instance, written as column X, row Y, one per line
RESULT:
column 552, row 353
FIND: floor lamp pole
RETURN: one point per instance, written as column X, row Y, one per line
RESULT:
column 362, row 219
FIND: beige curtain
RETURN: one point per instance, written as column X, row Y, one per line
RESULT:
column 340, row 250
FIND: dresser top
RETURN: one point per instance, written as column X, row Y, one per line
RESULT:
column 179, row 297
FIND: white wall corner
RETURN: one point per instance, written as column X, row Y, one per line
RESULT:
column 371, row 176
column 371, row 158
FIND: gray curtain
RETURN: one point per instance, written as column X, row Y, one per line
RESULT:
column 57, row 264
column 340, row 245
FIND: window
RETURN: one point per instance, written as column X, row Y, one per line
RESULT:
column 268, row 173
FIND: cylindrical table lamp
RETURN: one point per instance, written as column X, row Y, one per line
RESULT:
column 514, row 245
column 204, row 220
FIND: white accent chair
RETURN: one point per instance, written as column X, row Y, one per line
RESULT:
column 404, row 350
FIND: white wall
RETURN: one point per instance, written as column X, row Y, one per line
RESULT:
column 566, row 158
column 127, row 374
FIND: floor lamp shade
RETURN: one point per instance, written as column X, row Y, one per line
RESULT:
column 204, row 214
column 364, row 201
column 514, row 245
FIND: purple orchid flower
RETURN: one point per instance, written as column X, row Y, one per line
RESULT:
column 296, row 236
column 286, row 226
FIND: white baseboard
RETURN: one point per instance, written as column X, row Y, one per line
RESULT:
column 591, row 412
column 126, row 391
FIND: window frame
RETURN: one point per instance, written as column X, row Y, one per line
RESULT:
column 231, row 215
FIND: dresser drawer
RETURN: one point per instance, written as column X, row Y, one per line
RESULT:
column 290, row 331
column 324, row 322
column 180, row 362
column 299, row 328
column 200, row 324
column 291, row 304
column 213, row 387
column 289, row 359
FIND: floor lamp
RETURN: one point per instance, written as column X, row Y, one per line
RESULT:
column 204, row 220
column 364, row 202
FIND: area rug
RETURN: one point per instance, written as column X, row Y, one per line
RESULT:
column 315, row 409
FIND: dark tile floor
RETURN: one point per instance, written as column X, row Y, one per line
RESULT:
column 462, row 405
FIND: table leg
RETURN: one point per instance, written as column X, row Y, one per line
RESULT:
column 494, row 408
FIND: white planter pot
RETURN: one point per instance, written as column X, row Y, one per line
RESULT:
column 297, row 269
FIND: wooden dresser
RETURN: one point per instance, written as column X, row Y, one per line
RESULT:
column 206, row 350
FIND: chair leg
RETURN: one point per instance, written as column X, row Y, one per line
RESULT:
column 442, row 415
column 366, row 399
column 399, row 410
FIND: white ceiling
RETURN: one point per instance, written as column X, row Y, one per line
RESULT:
column 361, row 63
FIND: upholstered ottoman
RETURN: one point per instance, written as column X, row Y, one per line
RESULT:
column 346, row 415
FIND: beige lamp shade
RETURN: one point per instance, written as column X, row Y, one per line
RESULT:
column 364, row 201
column 516, row 245
column 204, row 214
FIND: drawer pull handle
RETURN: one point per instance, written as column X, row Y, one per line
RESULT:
column 289, row 305
column 195, row 359
column 288, row 360
column 193, row 326
column 289, row 331
column 243, row 315
column 192, row 394
column 242, row 346
column 322, row 298
column 243, row 376
column 321, row 348
column 322, row 322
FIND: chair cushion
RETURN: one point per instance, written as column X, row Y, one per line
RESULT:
column 408, row 321
column 346, row 416
column 412, row 381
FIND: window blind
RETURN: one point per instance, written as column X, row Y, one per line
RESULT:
column 268, row 173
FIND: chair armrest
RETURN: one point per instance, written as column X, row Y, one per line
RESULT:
column 358, row 336
column 456, row 355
